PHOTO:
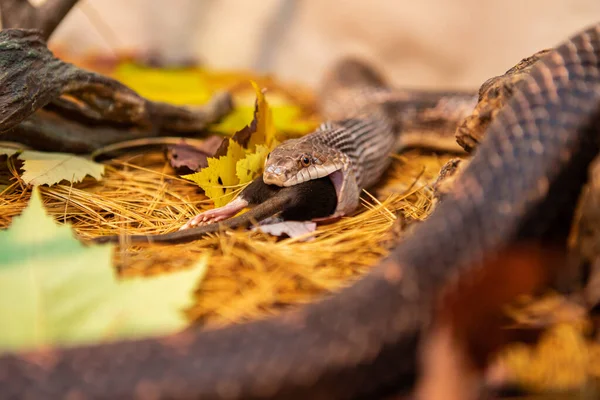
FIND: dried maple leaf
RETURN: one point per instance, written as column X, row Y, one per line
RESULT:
column 247, row 168
column 239, row 159
column 220, row 179
column 261, row 130
column 49, row 168
column 265, row 129
column 186, row 158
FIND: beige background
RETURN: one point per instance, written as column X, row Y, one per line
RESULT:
column 425, row 43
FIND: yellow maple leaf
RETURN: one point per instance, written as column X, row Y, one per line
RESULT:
column 245, row 156
column 51, row 168
column 265, row 129
column 248, row 167
column 219, row 179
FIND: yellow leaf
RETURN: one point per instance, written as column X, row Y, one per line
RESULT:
column 558, row 362
column 219, row 179
column 265, row 129
column 49, row 168
column 287, row 119
column 195, row 86
column 182, row 86
column 251, row 166
column 239, row 165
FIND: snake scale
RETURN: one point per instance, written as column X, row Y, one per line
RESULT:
column 522, row 183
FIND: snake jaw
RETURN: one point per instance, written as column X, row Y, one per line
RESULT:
column 288, row 174
column 337, row 178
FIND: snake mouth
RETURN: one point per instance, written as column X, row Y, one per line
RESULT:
column 310, row 173
column 334, row 172
column 337, row 178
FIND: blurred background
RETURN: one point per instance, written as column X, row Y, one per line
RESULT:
column 426, row 43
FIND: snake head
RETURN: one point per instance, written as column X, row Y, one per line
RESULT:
column 296, row 161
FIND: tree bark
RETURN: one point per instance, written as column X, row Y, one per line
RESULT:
column 46, row 17
column 81, row 102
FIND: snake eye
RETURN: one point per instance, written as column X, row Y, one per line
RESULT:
column 305, row 160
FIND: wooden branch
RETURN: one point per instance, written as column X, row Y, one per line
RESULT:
column 33, row 78
column 46, row 131
column 46, row 17
column 53, row 131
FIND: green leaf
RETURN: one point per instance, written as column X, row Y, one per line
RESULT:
column 54, row 290
column 50, row 168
